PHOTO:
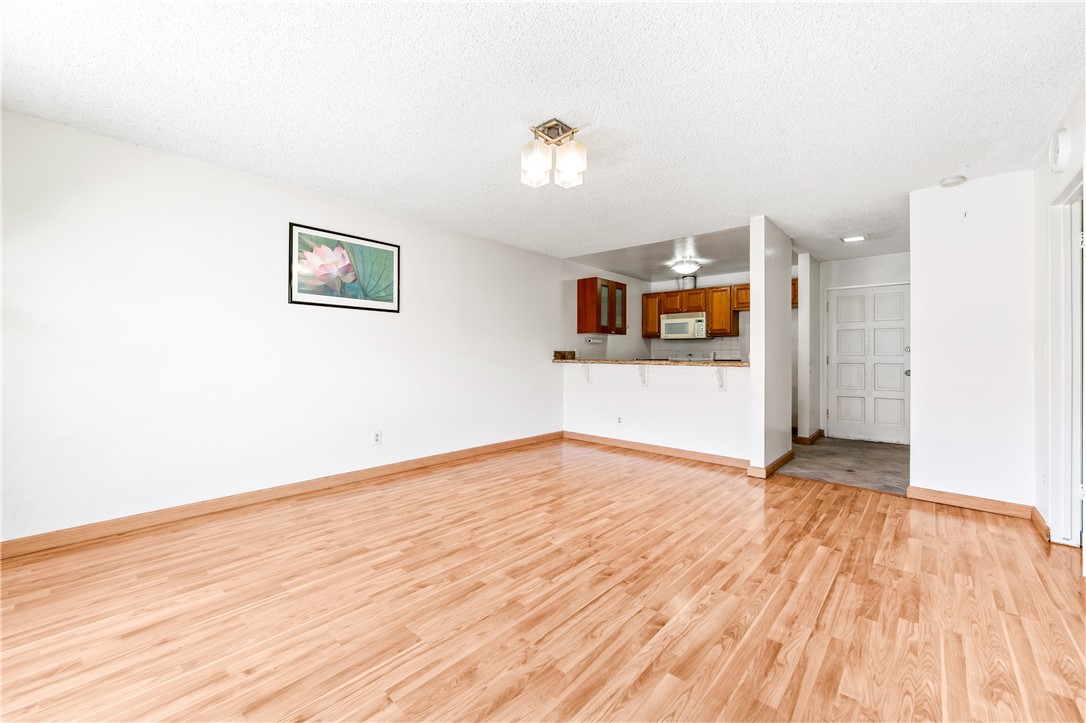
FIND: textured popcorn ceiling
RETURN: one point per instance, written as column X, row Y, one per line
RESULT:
column 696, row 116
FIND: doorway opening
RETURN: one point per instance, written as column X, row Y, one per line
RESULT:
column 867, row 383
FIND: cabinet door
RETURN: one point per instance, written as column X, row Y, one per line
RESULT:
column 588, row 306
column 650, row 316
column 722, row 319
column 618, row 307
column 795, row 293
column 741, row 297
column 604, row 313
column 695, row 300
column 601, row 306
column 671, row 302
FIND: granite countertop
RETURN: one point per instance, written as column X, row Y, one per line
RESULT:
column 655, row 362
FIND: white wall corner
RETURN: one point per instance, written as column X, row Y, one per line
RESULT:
column 1050, row 189
column 973, row 396
column 770, row 342
column 808, row 351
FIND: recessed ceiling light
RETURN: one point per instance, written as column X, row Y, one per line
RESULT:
column 853, row 239
column 952, row 181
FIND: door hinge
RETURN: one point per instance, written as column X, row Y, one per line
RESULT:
column 827, row 360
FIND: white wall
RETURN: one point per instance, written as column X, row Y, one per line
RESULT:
column 770, row 342
column 704, row 282
column 151, row 359
column 972, row 393
column 1052, row 258
column 795, row 367
column 680, row 406
column 809, row 334
column 630, row 345
column 884, row 269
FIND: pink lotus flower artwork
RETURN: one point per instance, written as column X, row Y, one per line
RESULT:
column 325, row 266
column 336, row 269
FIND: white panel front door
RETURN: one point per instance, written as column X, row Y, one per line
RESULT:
column 868, row 379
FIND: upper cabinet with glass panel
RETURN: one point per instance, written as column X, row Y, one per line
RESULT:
column 601, row 306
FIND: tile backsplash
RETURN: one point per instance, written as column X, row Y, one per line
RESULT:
column 724, row 346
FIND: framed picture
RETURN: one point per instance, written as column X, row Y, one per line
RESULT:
column 337, row 269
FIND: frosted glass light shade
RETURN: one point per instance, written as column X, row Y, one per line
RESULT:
column 686, row 266
column 571, row 157
column 568, row 179
column 536, row 157
column 535, row 179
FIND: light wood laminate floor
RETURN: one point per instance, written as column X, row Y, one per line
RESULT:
column 563, row 581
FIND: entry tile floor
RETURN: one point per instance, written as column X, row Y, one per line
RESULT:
column 871, row 465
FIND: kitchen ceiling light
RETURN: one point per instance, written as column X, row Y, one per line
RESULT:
column 853, row 239
column 686, row 266
column 553, row 148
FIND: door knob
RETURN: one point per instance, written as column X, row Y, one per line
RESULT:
column 908, row 372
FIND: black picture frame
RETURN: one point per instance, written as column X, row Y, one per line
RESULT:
column 341, row 270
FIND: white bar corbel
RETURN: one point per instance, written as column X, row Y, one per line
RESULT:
column 587, row 369
column 643, row 372
column 721, row 379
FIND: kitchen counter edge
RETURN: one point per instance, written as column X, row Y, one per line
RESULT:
column 654, row 362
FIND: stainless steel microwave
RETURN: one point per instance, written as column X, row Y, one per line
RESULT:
column 683, row 326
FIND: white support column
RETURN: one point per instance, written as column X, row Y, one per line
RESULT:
column 770, row 345
column 809, row 418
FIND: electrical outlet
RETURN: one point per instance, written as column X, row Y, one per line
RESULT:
column 377, row 437
column 620, row 420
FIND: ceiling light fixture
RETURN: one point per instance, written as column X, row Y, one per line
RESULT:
column 553, row 148
column 853, row 239
column 685, row 266
column 951, row 181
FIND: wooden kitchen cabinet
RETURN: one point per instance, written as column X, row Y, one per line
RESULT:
column 722, row 318
column 650, row 315
column 671, row 302
column 695, row 300
column 677, row 302
column 601, row 306
column 741, row 297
